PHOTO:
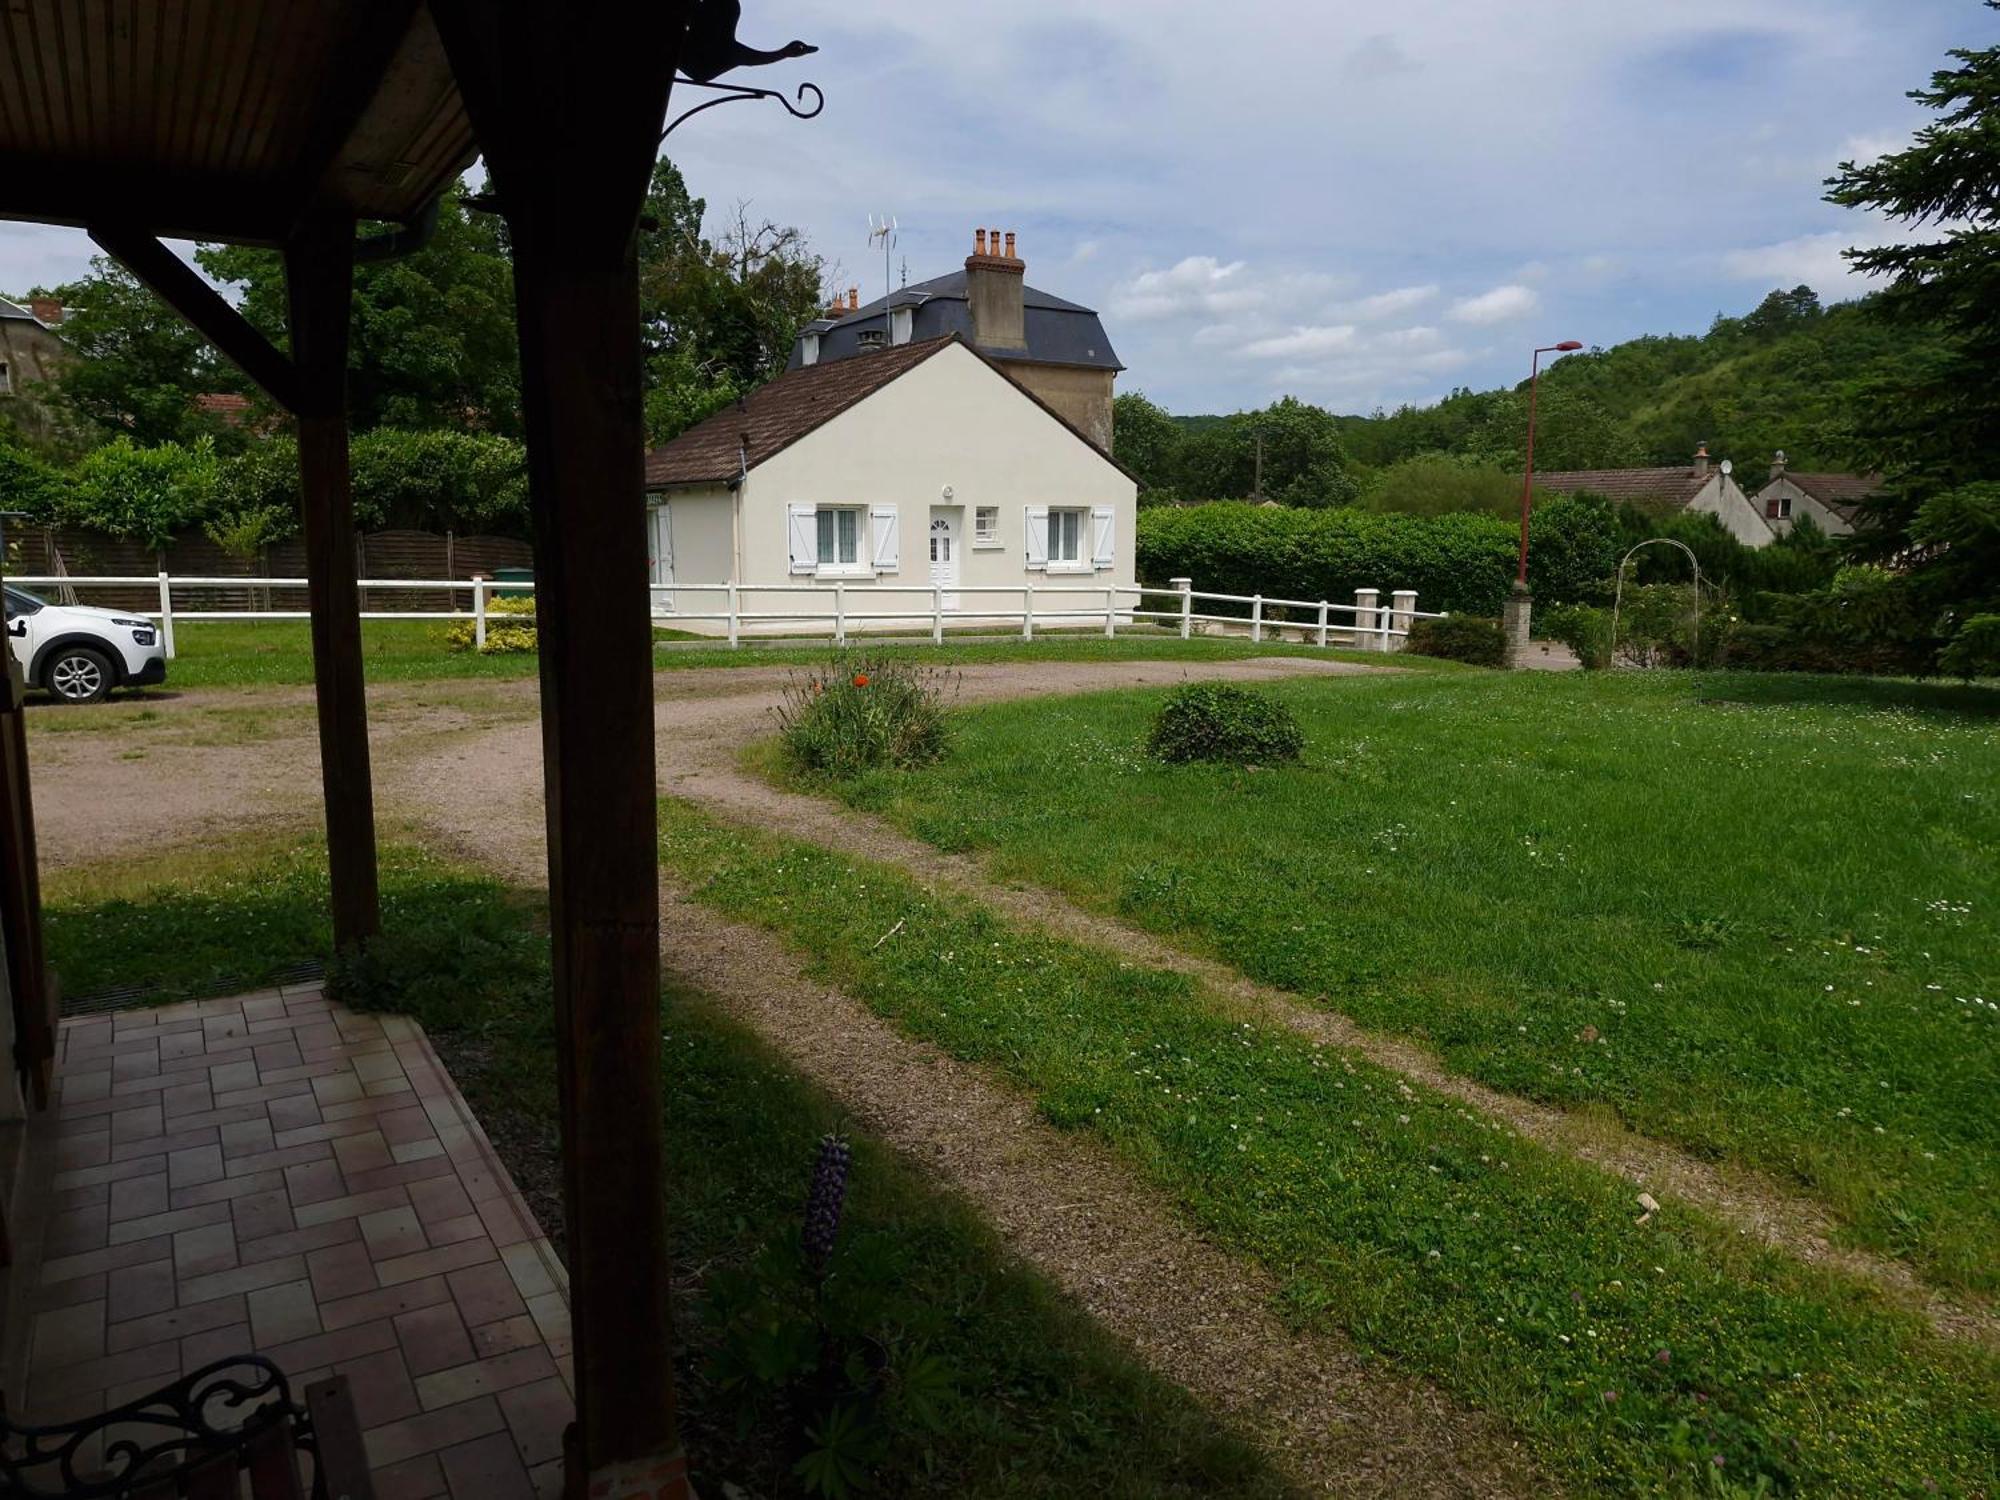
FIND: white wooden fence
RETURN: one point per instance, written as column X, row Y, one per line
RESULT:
column 791, row 609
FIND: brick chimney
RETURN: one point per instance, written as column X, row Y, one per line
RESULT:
column 48, row 309
column 1701, row 461
column 993, row 285
column 1778, row 464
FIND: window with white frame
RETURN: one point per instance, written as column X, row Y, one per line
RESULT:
column 986, row 526
column 1066, row 529
column 839, row 531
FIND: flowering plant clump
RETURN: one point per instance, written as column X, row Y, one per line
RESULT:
column 849, row 717
column 510, row 629
column 824, row 1201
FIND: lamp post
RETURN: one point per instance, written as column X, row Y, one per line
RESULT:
column 1567, row 346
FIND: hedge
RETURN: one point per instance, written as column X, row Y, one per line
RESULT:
column 1460, row 562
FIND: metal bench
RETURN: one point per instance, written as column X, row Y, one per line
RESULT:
column 199, row 1439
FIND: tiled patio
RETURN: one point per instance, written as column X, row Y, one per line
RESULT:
column 278, row 1174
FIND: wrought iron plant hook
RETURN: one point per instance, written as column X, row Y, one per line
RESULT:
column 711, row 49
column 730, row 92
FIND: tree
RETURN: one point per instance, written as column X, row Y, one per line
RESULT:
column 138, row 364
column 1303, row 459
column 1931, row 423
column 718, row 316
column 1148, row 442
column 432, row 339
column 1433, row 484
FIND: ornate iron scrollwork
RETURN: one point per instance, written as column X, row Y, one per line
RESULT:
column 801, row 110
column 214, row 1412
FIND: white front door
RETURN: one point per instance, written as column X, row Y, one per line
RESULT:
column 660, row 539
column 944, row 553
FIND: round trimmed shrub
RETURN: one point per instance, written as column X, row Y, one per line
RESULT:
column 1213, row 721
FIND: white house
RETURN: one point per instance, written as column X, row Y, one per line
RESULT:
column 1755, row 520
column 1830, row 500
column 911, row 473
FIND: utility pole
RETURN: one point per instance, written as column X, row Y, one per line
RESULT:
column 1257, row 482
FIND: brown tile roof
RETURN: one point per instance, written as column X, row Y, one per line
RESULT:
column 774, row 416
column 1840, row 493
column 1678, row 484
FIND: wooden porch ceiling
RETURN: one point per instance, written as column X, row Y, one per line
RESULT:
column 224, row 119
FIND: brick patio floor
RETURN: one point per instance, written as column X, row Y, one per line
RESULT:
column 277, row 1174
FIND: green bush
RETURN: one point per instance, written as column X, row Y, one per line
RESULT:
column 510, row 629
column 1584, row 628
column 1974, row 651
column 1467, row 638
column 1214, row 721
column 1460, row 561
column 862, row 713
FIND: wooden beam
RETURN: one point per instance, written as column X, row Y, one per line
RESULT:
column 177, row 284
column 568, row 107
column 355, row 68
column 319, row 273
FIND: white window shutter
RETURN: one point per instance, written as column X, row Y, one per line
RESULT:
column 1104, row 553
column 804, row 537
column 885, row 538
column 1038, row 536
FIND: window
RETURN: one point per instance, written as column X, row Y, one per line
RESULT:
column 21, row 602
column 986, row 526
column 6, row 379
column 839, row 536
column 1065, row 537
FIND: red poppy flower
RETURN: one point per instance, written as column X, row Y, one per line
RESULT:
column 861, row 679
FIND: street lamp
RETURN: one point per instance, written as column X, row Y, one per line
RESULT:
column 1567, row 346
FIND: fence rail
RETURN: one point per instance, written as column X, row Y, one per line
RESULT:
column 836, row 609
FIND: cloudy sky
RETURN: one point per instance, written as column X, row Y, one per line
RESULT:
column 1355, row 203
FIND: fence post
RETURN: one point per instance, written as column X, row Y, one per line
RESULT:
column 479, row 611
column 1365, row 601
column 167, row 613
column 734, row 615
column 1027, row 611
column 1111, row 612
column 1257, row 617
column 1186, row 586
column 1402, row 615
column 937, row 614
column 1322, row 622
column 839, row 613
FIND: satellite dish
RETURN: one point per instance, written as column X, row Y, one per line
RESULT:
column 1728, row 467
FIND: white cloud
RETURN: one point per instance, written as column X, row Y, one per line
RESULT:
column 1812, row 259
column 1324, row 339
column 1388, row 304
column 1497, row 306
column 1199, row 285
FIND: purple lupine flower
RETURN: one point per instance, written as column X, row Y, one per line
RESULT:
column 824, row 1200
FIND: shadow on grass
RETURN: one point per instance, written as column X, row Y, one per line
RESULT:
column 1951, row 699
column 1027, row 1396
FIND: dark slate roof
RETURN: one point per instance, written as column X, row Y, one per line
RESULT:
column 15, row 310
column 774, row 416
column 1678, row 483
column 1058, row 332
column 1840, row 493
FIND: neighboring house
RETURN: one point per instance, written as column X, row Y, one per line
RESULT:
column 1703, row 485
column 1832, row 500
column 912, row 468
column 30, row 348
column 1056, row 349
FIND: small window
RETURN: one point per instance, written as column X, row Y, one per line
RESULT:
column 839, row 536
column 6, row 379
column 1066, row 536
column 986, row 526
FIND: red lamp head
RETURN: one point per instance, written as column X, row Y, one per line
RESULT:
column 1568, row 346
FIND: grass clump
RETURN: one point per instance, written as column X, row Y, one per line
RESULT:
column 1216, row 721
column 865, row 712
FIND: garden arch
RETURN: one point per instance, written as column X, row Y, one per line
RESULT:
column 1618, row 594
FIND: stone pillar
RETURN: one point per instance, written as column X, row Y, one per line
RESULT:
column 1366, row 621
column 1514, row 620
column 1402, row 614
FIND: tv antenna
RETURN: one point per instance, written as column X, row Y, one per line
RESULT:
column 885, row 231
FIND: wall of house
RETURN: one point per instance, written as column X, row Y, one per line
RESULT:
column 1802, row 504
column 1724, row 499
column 1081, row 395
column 30, row 352
column 952, row 422
column 702, row 538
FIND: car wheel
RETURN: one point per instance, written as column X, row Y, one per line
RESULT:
column 78, row 674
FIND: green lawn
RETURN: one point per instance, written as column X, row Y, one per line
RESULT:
column 1670, row 1357
column 277, row 652
column 1030, row 1397
column 1756, row 916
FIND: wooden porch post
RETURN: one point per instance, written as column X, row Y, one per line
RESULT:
column 319, row 271
column 568, row 104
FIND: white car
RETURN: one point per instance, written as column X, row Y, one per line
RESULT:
column 81, row 654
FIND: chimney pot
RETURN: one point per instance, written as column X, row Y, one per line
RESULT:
column 853, row 298
column 1701, row 458
column 978, row 242
column 1010, row 244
